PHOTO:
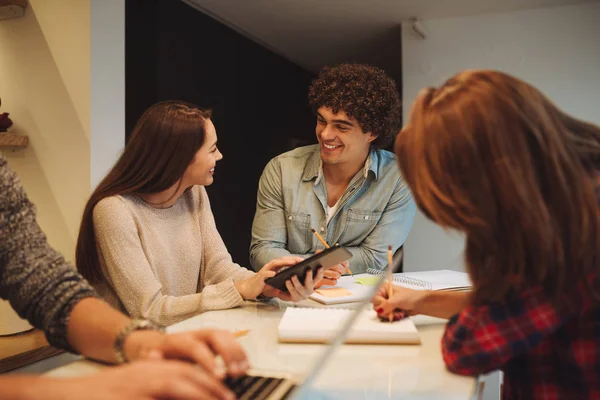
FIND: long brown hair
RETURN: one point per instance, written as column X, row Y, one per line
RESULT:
column 161, row 147
column 489, row 155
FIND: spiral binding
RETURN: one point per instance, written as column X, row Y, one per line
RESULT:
column 404, row 280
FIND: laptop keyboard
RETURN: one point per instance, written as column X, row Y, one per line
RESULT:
column 254, row 387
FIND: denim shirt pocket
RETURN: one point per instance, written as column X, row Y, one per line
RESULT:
column 359, row 223
column 299, row 238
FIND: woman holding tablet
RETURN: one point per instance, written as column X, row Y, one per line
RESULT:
column 148, row 240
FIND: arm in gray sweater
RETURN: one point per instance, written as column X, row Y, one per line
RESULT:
column 40, row 285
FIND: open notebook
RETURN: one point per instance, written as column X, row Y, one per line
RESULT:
column 351, row 289
column 443, row 279
column 320, row 325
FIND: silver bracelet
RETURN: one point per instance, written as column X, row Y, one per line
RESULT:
column 134, row 325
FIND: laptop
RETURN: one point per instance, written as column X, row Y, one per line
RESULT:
column 262, row 386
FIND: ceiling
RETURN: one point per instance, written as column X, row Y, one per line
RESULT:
column 313, row 33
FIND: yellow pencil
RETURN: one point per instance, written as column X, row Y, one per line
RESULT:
column 326, row 245
column 241, row 333
column 320, row 238
column 390, row 278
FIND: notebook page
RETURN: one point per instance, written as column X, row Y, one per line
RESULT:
column 427, row 280
column 318, row 325
column 437, row 280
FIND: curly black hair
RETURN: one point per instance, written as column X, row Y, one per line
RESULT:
column 363, row 92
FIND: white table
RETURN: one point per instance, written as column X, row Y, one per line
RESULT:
column 354, row 372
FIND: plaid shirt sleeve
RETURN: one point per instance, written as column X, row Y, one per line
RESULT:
column 482, row 338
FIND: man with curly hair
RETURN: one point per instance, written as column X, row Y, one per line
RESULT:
column 347, row 187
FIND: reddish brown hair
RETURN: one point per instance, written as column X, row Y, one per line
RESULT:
column 489, row 155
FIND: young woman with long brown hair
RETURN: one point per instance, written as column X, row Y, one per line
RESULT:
column 148, row 240
column 488, row 155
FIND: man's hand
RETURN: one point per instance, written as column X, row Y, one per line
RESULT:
column 332, row 275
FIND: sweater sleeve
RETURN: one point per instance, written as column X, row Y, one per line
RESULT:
column 40, row 285
column 217, row 261
column 131, row 275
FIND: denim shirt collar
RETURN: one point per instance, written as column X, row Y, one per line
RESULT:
column 312, row 168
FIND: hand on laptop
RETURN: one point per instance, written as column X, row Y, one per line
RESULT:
column 201, row 347
column 137, row 380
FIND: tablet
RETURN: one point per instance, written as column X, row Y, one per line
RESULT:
column 327, row 258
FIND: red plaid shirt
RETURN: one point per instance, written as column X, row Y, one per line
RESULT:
column 545, row 353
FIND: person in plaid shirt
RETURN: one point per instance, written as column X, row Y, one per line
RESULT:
column 488, row 155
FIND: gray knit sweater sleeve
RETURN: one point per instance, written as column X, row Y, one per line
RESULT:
column 40, row 285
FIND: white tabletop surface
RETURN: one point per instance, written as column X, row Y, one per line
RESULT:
column 353, row 372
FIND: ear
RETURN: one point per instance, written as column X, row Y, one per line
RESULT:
column 371, row 137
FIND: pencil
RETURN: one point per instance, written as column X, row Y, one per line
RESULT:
column 320, row 238
column 326, row 245
column 241, row 333
column 390, row 287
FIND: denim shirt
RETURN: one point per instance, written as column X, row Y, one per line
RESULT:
column 375, row 211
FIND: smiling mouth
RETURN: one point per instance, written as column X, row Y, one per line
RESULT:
column 331, row 147
column 212, row 171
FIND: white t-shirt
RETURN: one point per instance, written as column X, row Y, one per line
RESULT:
column 331, row 210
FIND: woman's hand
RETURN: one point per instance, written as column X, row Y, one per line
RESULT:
column 252, row 287
column 201, row 347
column 404, row 302
column 296, row 290
column 440, row 304
column 140, row 380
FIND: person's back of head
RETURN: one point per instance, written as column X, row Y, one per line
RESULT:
column 363, row 92
column 162, row 145
column 489, row 155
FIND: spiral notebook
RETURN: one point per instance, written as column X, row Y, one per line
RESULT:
column 320, row 325
column 351, row 289
column 431, row 280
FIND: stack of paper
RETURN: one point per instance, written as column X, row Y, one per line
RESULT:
column 320, row 325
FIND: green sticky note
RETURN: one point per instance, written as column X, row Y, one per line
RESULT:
column 368, row 280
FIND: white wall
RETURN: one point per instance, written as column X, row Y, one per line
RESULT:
column 555, row 49
column 60, row 63
column 44, row 85
column 107, row 85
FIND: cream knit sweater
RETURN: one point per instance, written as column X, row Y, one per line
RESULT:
column 165, row 265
